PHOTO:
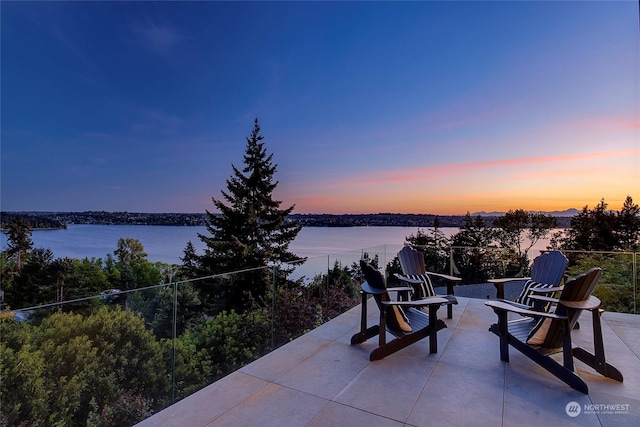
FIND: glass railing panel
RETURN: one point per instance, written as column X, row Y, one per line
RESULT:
column 479, row 264
column 210, row 342
column 618, row 286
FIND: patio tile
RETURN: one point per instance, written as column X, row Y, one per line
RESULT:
column 338, row 415
column 442, row 402
column 286, row 357
column 477, row 316
column 626, row 327
column 326, row 373
column 200, row 408
column 478, row 349
column 272, row 406
column 389, row 387
column 341, row 328
column 533, row 396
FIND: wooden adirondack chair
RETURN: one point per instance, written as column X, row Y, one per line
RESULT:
column 551, row 333
column 402, row 319
column 547, row 271
column 415, row 273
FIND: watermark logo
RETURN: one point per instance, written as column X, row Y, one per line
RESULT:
column 573, row 409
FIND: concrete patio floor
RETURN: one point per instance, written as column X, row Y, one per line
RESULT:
column 321, row 380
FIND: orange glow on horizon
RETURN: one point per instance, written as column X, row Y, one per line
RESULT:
column 542, row 183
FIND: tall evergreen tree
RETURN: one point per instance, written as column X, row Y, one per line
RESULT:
column 251, row 230
column 628, row 229
column 19, row 240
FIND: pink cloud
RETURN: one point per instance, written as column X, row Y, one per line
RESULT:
column 454, row 169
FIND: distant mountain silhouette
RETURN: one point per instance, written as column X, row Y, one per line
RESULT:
column 566, row 213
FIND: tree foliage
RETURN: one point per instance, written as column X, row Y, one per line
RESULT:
column 250, row 231
column 19, row 240
column 72, row 366
column 601, row 229
column 434, row 246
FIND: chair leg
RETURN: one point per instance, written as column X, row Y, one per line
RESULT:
column 398, row 344
column 433, row 329
column 362, row 336
column 503, row 334
column 598, row 361
column 565, row 375
column 449, row 306
column 365, row 333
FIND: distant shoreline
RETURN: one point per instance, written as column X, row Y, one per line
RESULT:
column 57, row 220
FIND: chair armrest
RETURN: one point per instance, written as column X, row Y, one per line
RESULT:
column 406, row 279
column 367, row 288
column 541, row 290
column 589, row 304
column 507, row 279
column 401, row 289
column 423, row 302
column 428, row 273
column 445, row 276
column 544, row 298
column 505, row 306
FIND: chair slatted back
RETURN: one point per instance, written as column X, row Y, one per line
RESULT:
column 578, row 289
column 411, row 261
column 374, row 278
column 549, row 268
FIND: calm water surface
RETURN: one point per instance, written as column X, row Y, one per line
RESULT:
column 167, row 243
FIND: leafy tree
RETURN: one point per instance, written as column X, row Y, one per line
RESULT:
column 130, row 251
column 628, row 230
column 80, row 368
column 601, row 229
column 231, row 340
column 473, row 261
column 251, row 230
column 61, row 269
column 35, row 284
column 23, row 393
column 616, row 287
column 189, row 310
column 88, row 277
column 7, row 275
column 19, row 240
column 189, row 260
column 474, row 233
column 193, row 366
column 513, row 227
column 434, row 246
column 133, row 268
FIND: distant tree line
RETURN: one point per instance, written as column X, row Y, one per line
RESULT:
column 41, row 220
column 34, row 220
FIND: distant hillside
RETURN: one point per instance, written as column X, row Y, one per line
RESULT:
column 61, row 219
column 566, row 213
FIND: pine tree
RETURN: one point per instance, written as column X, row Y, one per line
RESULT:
column 628, row 230
column 19, row 240
column 251, row 231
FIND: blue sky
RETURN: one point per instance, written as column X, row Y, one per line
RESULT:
column 417, row 107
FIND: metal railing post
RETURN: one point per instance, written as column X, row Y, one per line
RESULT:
column 273, row 309
column 175, row 337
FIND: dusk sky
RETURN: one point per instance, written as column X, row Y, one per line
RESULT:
column 417, row 107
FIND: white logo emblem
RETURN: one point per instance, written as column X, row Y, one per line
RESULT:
column 573, row 409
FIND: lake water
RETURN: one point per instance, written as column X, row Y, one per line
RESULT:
column 167, row 243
